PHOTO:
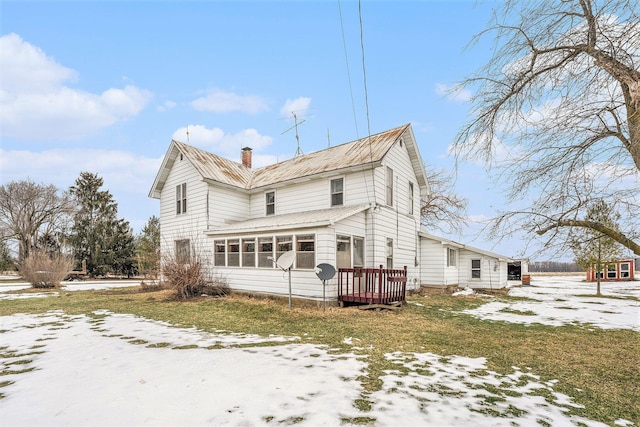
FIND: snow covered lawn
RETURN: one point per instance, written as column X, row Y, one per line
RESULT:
column 108, row 369
column 557, row 300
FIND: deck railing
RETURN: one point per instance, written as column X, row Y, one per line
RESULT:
column 372, row 285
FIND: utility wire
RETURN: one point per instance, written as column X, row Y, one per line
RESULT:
column 366, row 93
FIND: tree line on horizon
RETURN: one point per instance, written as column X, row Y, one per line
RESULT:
column 80, row 223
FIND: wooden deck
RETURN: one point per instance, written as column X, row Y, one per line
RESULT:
column 373, row 286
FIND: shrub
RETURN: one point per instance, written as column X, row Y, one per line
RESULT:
column 190, row 276
column 44, row 270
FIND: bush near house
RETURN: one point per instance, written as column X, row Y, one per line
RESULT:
column 189, row 276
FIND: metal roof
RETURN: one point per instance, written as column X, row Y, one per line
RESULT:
column 315, row 218
column 361, row 152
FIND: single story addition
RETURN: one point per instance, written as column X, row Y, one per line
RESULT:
column 354, row 206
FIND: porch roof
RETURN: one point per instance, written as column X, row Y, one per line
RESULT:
column 308, row 219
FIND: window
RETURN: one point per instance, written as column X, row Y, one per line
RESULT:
column 358, row 252
column 248, row 252
column 270, row 199
column 411, row 198
column 265, row 251
column 475, row 268
column 624, row 270
column 389, row 186
column 343, row 251
column 181, row 198
column 389, row 253
column 305, row 251
column 612, row 272
column 183, row 251
column 283, row 244
column 337, row 192
column 451, row 257
column 233, row 253
column 219, row 257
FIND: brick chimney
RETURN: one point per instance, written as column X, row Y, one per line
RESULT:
column 246, row 157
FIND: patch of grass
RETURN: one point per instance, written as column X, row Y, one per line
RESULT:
column 519, row 312
column 596, row 368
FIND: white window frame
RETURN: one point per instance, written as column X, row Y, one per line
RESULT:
column 304, row 239
column 233, row 257
column 181, row 198
column 477, row 269
column 625, row 270
column 343, row 241
column 183, row 250
column 452, row 256
column 332, row 192
column 263, row 256
column 411, row 188
column 220, row 257
column 248, row 257
column 389, row 253
column 612, row 271
column 389, row 186
column 267, row 204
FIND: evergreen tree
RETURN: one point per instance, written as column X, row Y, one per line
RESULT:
column 7, row 262
column 97, row 235
column 148, row 247
column 592, row 248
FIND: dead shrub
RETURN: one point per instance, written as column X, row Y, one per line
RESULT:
column 45, row 270
column 189, row 276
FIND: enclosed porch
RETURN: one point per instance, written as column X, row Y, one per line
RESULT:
column 376, row 287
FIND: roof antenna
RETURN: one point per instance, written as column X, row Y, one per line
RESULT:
column 328, row 139
column 295, row 118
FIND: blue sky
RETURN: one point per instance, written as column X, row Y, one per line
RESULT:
column 103, row 87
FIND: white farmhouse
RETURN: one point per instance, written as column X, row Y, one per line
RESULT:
column 352, row 205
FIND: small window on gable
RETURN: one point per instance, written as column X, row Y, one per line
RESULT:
column 270, row 201
column 389, row 186
column 337, row 192
column 181, row 198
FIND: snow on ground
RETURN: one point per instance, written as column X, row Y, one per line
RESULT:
column 114, row 369
column 558, row 300
column 67, row 286
column 118, row 369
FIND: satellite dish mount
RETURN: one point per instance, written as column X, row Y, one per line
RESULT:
column 285, row 262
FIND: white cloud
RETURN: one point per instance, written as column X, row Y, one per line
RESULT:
column 220, row 101
column 216, row 140
column 37, row 104
column 121, row 169
column 299, row 106
column 453, row 93
column 166, row 105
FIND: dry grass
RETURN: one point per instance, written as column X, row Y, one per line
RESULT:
column 598, row 368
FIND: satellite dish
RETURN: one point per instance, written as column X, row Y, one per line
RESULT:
column 325, row 271
column 285, row 261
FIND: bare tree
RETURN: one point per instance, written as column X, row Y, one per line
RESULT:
column 34, row 215
column 556, row 113
column 442, row 208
